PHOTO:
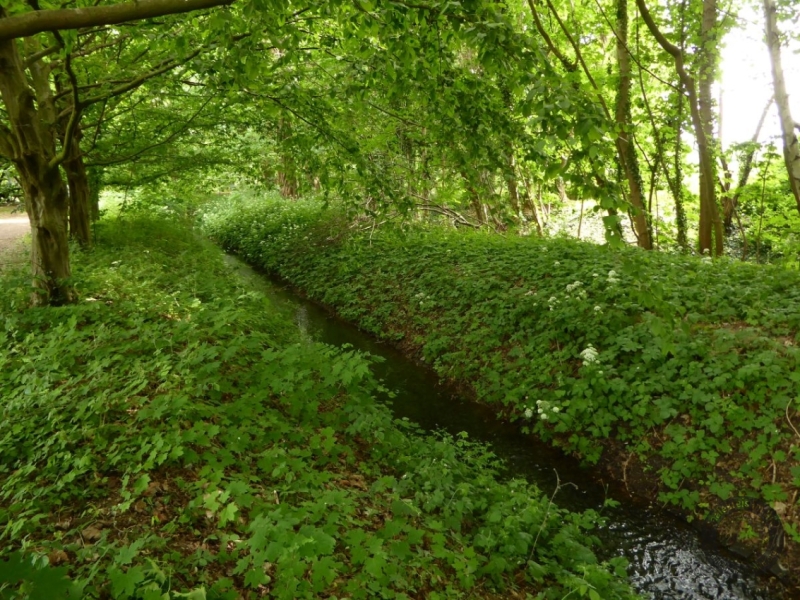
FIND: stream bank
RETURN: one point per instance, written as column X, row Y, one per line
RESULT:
column 172, row 435
column 669, row 560
column 561, row 338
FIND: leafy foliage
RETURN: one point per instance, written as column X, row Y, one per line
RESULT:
column 690, row 364
column 169, row 436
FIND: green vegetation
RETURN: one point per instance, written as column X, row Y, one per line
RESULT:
column 163, row 428
column 689, row 365
column 169, row 436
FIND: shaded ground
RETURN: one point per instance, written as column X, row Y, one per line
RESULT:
column 13, row 228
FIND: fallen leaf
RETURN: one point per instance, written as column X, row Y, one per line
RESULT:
column 91, row 533
column 56, row 557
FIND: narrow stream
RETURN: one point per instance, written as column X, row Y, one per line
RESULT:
column 668, row 559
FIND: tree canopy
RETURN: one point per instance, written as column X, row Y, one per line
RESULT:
column 480, row 111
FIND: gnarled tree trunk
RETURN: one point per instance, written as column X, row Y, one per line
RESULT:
column 33, row 154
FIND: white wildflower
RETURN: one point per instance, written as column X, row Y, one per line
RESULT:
column 612, row 276
column 556, row 409
column 598, row 309
column 556, row 263
column 528, row 413
column 589, row 355
column 574, row 286
column 544, row 416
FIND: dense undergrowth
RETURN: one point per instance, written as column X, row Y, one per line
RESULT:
column 170, row 436
column 684, row 366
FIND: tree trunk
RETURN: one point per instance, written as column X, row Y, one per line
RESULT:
column 625, row 149
column 731, row 200
column 511, row 182
column 95, row 181
column 710, row 229
column 287, row 170
column 34, row 154
column 680, row 209
column 791, row 151
column 79, row 196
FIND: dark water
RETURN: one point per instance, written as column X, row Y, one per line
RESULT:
column 669, row 560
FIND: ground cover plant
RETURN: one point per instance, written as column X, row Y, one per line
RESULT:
column 170, row 436
column 679, row 370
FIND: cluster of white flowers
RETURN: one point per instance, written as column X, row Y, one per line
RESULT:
column 706, row 259
column 577, row 288
column 552, row 302
column 598, row 309
column 543, row 407
column 530, row 293
column 556, row 263
column 589, row 355
column 612, row 277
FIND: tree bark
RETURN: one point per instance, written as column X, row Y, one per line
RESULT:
column 791, row 150
column 79, row 197
column 625, row 149
column 33, row 145
column 287, row 169
column 710, row 229
column 511, row 183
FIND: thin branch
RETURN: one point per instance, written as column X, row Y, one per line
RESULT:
column 40, row 55
column 97, row 128
column 165, row 66
column 636, row 60
column 166, row 140
column 393, row 115
column 569, row 66
column 579, row 57
column 75, row 117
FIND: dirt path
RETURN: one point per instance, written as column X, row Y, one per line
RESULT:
column 13, row 229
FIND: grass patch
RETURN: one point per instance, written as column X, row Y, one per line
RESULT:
column 170, row 436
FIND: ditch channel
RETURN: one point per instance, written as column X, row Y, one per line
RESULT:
column 669, row 559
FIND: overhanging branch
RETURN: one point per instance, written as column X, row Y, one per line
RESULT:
column 34, row 22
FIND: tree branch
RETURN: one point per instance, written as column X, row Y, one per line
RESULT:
column 579, row 58
column 166, row 140
column 40, row 55
column 568, row 66
column 75, row 117
column 34, row 22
